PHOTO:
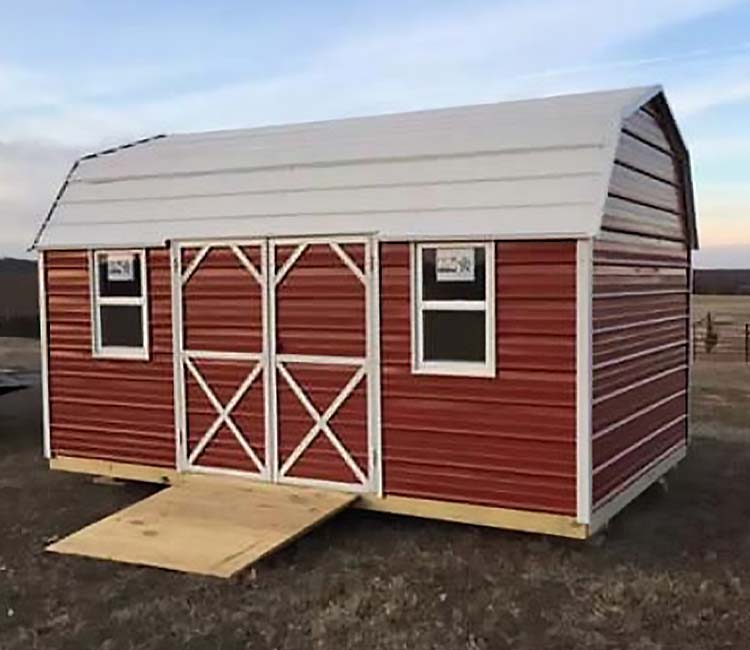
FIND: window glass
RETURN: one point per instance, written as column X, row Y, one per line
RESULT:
column 454, row 301
column 453, row 273
column 119, row 305
column 119, row 275
column 454, row 336
column 121, row 326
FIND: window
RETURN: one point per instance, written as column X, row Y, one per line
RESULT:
column 120, row 314
column 453, row 329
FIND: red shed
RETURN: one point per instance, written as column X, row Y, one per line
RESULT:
column 478, row 314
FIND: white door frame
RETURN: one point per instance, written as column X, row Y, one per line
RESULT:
column 367, row 368
column 183, row 360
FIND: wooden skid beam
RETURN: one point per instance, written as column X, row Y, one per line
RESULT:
column 465, row 513
column 505, row 518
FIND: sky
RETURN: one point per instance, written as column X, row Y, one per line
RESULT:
column 77, row 76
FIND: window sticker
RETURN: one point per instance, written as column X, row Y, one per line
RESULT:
column 120, row 268
column 454, row 264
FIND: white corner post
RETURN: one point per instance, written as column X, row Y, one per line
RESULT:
column 175, row 265
column 584, row 366
column 44, row 351
column 372, row 290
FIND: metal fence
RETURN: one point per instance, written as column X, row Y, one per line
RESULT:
column 721, row 340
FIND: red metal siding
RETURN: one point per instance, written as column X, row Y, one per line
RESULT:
column 119, row 410
column 222, row 302
column 640, row 310
column 320, row 303
column 506, row 441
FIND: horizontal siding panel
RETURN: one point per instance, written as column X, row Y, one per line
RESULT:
column 645, row 127
column 616, row 439
column 627, row 216
column 626, row 372
column 120, row 410
column 634, row 153
column 627, row 248
column 612, row 279
column 620, row 472
column 618, row 310
column 640, row 311
column 641, row 188
column 481, row 488
column 507, row 441
column 556, row 388
column 647, row 391
column 617, row 344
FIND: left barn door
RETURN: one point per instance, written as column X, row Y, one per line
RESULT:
column 222, row 363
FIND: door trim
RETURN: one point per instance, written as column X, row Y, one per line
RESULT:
column 269, row 358
column 369, row 364
column 183, row 357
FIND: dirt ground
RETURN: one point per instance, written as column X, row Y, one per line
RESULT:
column 674, row 571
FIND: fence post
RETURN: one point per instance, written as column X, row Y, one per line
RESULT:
column 747, row 342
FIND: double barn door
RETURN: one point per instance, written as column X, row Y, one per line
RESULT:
column 276, row 371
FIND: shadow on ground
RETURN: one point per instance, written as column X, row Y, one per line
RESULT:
column 674, row 572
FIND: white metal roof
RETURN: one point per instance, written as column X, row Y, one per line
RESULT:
column 522, row 169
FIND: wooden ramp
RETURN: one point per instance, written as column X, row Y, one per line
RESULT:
column 205, row 527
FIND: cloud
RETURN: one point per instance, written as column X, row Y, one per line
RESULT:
column 30, row 175
column 726, row 83
column 457, row 56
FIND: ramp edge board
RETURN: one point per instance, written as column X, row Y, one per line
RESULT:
column 503, row 518
column 183, row 529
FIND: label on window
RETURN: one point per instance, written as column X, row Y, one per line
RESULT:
column 454, row 264
column 120, row 268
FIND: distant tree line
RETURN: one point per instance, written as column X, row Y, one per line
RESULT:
column 22, row 326
column 728, row 282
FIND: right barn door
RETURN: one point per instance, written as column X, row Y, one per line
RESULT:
column 324, row 354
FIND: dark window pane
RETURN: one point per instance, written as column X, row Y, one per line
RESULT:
column 119, row 274
column 121, row 326
column 447, row 284
column 453, row 335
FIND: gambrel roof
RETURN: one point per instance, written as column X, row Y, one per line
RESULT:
column 528, row 169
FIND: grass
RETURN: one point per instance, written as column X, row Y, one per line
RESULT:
column 673, row 572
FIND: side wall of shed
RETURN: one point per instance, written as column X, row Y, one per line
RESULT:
column 120, row 410
column 505, row 441
column 640, row 310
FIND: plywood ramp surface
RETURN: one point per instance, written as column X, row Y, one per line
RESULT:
column 205, row 527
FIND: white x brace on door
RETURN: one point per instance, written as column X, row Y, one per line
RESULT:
column 272, row 370
column 244, row 361
column 357, row 375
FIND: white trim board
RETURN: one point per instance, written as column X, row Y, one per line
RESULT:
column 584, row 378
column 44, row 352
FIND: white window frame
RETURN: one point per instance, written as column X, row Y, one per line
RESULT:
column 484, row 368
column 98, row 350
